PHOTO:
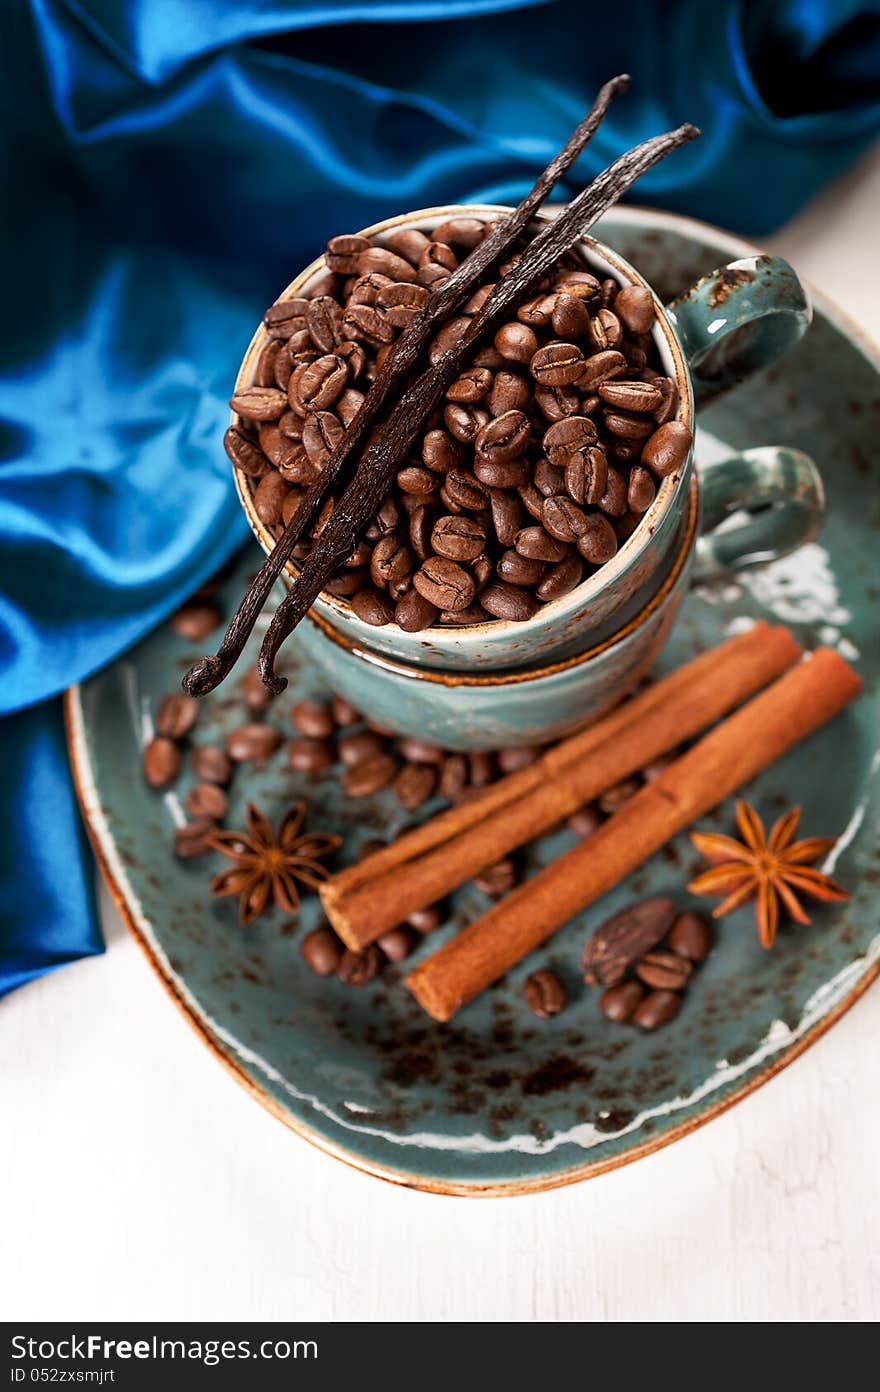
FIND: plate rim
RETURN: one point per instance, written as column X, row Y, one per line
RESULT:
column 124, row 897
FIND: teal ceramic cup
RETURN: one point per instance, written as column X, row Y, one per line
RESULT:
column 591, row 646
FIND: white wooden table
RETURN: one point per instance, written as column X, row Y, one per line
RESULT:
column 138, row 1181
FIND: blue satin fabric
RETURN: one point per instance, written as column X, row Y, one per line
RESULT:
column 168, row 164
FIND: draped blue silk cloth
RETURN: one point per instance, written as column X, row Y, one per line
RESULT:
column 169, row 164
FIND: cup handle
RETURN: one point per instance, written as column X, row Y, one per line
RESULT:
column 738, row 319
column 756, row 507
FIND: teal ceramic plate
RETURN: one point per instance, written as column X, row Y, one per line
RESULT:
column 498, row 1102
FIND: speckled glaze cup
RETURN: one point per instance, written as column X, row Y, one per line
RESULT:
column 727, row 325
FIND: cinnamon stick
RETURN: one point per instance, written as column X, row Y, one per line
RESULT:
column 367, row 899
column 379, row 464
column 209, row 671
column 797, row 704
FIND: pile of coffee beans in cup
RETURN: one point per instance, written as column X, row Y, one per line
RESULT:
column 548, row 452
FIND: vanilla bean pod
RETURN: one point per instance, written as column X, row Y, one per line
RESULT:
column 210, row 671
column 364, row 494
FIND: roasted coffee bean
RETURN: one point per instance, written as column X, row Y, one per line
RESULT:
column 691, row 937
column 438, row 254
column 322, row 432
column 245, row 455
column 407, row 242
column 476, row 302
column 658, row 1008
column 440, row 452
column 634, row 304
column 373, row 607
column 626, row 427
column 322, row 951
column 613, row 798
column 386, row 263
column 391, row 566
column 557, row 365
column 613, row 501
column 401, row 303
column 177, row 714
column 252, row 744
column 507, row 515
column 538, row 544
column 585, row 821
column 414, row 784
column 519, row 570
column 619, row 1003
column 503, row 438
column 211, row 764
column 191, row 839
column 314, row 719
column 668, row 448
column 369, row 776
column 494, row 473
column 257, row 696
column 600, row 367
column 586, row 476
column 310, row 755
column 622, row 939
column 537, row 313
column 664, row 971
column 291, row 425
column 342, row 254
column 355, row 748
column 516, row 343
column 532, row 500
column 432, row 275
column 320, row 384
column 471, row 386
column 426, row 920
column 579, row 283
column 421, row 524
column 414, row 613
column 419, row 751
column 368, row 324
column 206, row 802
column 359, row 968
column 571, row 318
column 518, row 757
column 568, row 437
column 343, row 712
column 161, row 761
column 510, row 392
column 324, row 320
column 348, row 582
column 463, row 422
column 462, row 490
column 461, row 233
column 560, row 580
column 397, row 944
column 555, row 403
column 285, row 318
column 196, row 619
column 631, row 396
column 259, row 403
column 669, row 400
column 463, row 618
column 458, row 538
column 549, row 479
column 453, row 777
column 510, row 602
column 563, row 519
column 605, row 330
column 498, row 879
column 543, row 991
column 444, row 583
column 447, row 337
column 641, row 490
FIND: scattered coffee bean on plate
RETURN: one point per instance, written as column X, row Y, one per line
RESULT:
column 314, row 719
column 567, row 421
column 177, row 714
column 191, row 839
column 322, row 951
column 657, row 1008
column 162, row 761
column 691, row 937
column 196, row 619
column 206, row 801
column 544, row 994
column 252, row 744
column 619, row 1002
column 211, row 764
column 359, row 968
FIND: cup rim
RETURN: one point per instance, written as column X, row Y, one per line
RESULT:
column 413, row 672
column 459, row 641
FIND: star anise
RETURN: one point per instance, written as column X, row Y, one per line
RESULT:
column 767, row 869
column 267, row 867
